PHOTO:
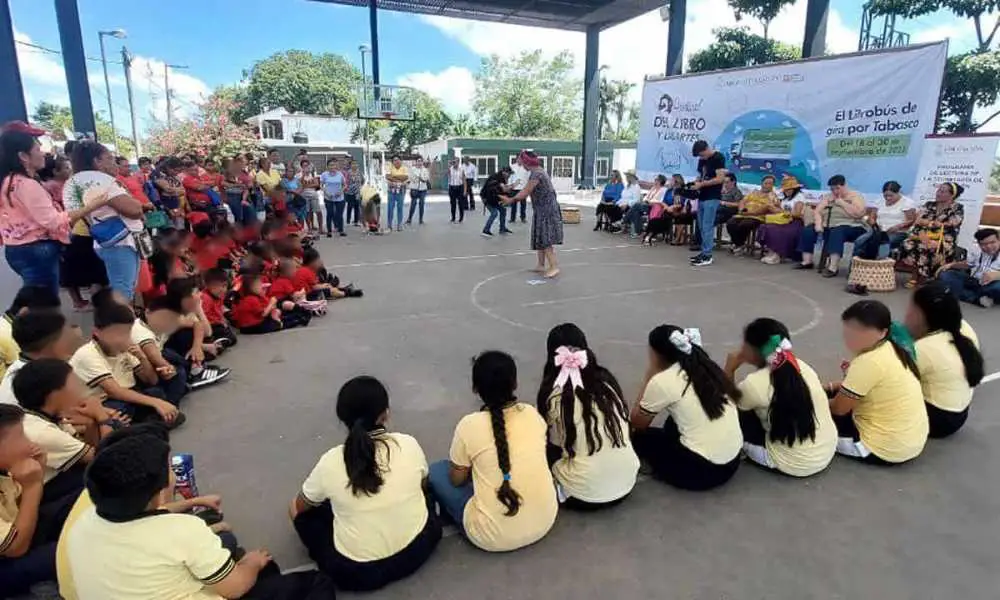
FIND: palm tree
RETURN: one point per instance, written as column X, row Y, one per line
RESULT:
column 613, row 106
column 463, row 126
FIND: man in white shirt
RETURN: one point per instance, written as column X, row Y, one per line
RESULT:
column 420, row 178
column 471, row 173
column 517, row 180
column 631, row 196
column 457, row 189
column 977, row 278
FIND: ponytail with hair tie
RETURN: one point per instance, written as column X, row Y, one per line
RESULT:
column 900, row 335
column 777, row 351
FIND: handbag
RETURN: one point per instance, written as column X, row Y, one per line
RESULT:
column 158, row 219
column 109, row 232
column 143, row 243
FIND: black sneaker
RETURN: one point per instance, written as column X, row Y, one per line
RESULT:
column 225, row 342
column 207, row 376
column 486, row 234
column 505, row 231
column 702, row 261
column 696, row 257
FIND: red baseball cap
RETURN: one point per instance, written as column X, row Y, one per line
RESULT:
column 23, row 128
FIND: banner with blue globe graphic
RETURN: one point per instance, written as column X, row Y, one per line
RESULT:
column 860, row 115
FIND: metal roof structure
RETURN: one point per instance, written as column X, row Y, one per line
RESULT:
column 571, row 15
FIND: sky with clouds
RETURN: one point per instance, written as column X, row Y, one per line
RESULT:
column 217, row 40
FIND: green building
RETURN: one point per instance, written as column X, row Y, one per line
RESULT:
column 561, row 158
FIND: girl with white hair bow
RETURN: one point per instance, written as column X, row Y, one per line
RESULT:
column 592, row 458
column 698, row 446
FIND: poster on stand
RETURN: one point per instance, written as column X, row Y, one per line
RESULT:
column 963, row 159
column 862, row 115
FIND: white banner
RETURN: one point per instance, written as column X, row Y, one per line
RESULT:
column 963, row 159
column 862, row 115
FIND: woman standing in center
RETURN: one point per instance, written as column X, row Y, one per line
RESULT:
column 546, row 223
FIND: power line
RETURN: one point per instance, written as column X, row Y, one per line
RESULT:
column 51, row 51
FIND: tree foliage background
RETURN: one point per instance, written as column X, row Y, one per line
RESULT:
column 211, row 133
column 57, row 119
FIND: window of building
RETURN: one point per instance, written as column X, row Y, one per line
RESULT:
column 563, row 167
column 485, row 165
column 271, row 129
column 603, row 165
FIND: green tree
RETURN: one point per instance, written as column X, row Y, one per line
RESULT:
column 430, row 122
column 529, row 96
column 57, row 119
column 737, row 47
column 463, row 126
column 301, row 81
column 237, row 97
column 763, row 10
column 618, row 115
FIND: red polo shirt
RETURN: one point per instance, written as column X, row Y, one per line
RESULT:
column 249, row 311
column 133, row 184
column 213, row 307
column 282, row 287
column 305, row 279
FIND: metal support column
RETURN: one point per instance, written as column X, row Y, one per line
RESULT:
column 814, row 41
column 675, row 37
column 75, row 64
column 373, row 24
column 591, row 97
column 12, row 99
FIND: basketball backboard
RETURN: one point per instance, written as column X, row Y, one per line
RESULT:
column 388, row 102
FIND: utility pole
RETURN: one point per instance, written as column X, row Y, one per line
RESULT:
column 166, row 89
column 127, row 65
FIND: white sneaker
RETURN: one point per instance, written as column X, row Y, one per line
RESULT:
column 986, row 302
column 771, row 259
column 207, row 376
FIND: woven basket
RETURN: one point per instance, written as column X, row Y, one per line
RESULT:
column 876, row 275
column 571, row 215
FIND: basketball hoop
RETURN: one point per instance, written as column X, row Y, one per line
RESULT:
column 388, row 115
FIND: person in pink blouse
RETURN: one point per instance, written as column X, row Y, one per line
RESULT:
column 33, row 229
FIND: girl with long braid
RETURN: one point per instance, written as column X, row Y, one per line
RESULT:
column 497, row 485
column 785, row 413
column 593, row 461
column 698, row 446
column 362, row 512
column 948, row 357
column 879, row 407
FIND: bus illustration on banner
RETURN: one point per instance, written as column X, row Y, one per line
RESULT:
column 763, row 151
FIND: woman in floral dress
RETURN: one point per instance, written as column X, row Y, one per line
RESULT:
column 932, row 238
column 546, row 223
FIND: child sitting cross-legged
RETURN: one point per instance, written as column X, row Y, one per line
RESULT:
column 285, row 288
column 255, row 313
column 313, row 277
column 213, row 298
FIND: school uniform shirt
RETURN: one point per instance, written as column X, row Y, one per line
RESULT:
column 378, row 526
column 456, row 177
column 142, row 335
column 6, row 384
column 890, row 413
column 419, row 176
column 719, row 441
column 471, row 172
column 93, row 366
column 304, row 279
column 942, row 373
column 249, row 311
column 981, row 263
column 485, row 520
column 10, row 494
column 806, row 457
column 64, row 574
column 9, row 350
column 282, row 287
column 213, row 307
column 155, row 556
column 604, row 476
column 58, row 440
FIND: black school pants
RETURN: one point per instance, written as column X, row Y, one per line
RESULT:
column 456, row 196
column 17, row 575
column 471, row 194
column 673, row 463
column 944, row 423
column 315, row 528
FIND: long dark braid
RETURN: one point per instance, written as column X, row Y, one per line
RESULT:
column 494, row 378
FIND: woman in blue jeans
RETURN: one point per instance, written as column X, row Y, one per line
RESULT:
column 838, row 218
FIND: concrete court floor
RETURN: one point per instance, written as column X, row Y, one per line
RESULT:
column 438, row 294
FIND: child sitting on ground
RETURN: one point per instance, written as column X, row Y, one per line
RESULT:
column 255, row 313
column 313, row 277
column 213, row 298
column 284, row 287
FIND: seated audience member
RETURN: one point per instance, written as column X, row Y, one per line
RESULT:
column 130, row 546
column 698, row 446
column 839, row 218
column 118, row 371
column 496, row 510
column 630, row 196
column 589, row 446
column 255, row 313
column 161, row 320
column 879, row 407
column 658, row 220
column 27, row 298
column 683, row 211
column 976, row 279
column 889, row 224
column 28, row 528
column 213, row 298
column 785, row 413
column 779, row 235
column 51, row 394
column 362, row 513
column 654, row 196
column 610, row 195
column 318, row 282
column 750, row 214
column 732, row 197
column 40, row 333
column 931, row 241
column 285, row 288
column 193, row 338
column 948, row 357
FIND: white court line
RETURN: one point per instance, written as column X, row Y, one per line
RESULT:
column 685, row 286
column 413, row 261
column 990, row 377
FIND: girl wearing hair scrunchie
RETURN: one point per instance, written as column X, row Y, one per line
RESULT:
column 878, row 407
column 785, row 414
column 931, row 242
column 698, row 446
column 592, row 457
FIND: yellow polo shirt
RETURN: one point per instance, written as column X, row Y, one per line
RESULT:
column 485, row 520
column 58, row 441
column 381, row 525
column 718, row 441
column 64, row 575
column 9, row 350
column 268, row 180
column 159, row 556
column 890, row 413
column 10, row 494
column 93, row 366
column 942, row 374
column 142, row 335
column 806, row 457
column 604, row 476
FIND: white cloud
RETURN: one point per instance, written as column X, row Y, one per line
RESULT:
column 942, row 25
column 453, row 86
column 38, row 66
